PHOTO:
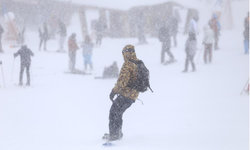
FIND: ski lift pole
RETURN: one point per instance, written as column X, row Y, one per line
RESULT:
column 3, row 75
column 244, row 87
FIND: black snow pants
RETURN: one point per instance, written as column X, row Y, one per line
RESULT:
column 119, row 106
column 23, row 66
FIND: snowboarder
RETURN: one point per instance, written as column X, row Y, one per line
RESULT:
column 63, row 34
column 215, row 25
column 208, row 42
column 44, row 36
column 164, row 37
column 246, row 34
column 87, row 49
column 1, row 33
column 126, row 96
column 190, row 49
column 72, row 51
column 25, row 54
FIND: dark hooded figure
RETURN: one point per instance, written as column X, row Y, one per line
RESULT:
column 25, row 54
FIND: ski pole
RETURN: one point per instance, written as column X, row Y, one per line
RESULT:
column 198, row 56
column 12, row 69
column 244, row 87
column 3, row 76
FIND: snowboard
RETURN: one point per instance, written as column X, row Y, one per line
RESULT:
column 76, row 71
column 169, row 62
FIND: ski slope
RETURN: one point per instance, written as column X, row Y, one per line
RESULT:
column 200, row 110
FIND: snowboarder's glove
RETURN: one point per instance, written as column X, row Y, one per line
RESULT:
column 112, row 95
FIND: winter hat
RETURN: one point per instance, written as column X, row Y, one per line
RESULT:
column 128, row 48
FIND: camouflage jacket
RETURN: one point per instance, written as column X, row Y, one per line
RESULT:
column 127, row 75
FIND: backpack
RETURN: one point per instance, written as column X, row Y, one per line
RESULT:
column 141, row 84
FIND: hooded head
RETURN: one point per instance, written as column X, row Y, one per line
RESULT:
column 128, row 52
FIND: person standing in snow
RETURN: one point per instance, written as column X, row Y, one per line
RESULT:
column 1, row 33
column 25, row 54
column 246, row 34
column 190, row 49
column 215, row 26
column 87, row 49
column 72, row 51
column 175, row 19
column 63, row 34
column 44, row 36
column 164, row 37
column 208, row 43
column 126, row 96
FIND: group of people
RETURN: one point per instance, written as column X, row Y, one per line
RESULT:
column 211, row 35
column 45, row 36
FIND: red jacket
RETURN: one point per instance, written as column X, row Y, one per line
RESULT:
column 72, row 44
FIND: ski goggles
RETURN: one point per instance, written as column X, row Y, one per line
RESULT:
column 128, row 50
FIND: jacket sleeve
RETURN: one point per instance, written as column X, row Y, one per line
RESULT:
column 31, row 53
column 123, row 79
column 17, row 53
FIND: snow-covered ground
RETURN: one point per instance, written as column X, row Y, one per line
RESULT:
column 200, row 110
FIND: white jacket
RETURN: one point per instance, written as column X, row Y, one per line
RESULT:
column 208, row 35
column 193, row 27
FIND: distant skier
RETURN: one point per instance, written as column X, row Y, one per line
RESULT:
column 208, row 43
column 21, row 39
column 72, row 51
column 44, row 36
column 126, row 95
column 87, row 48
column 215, row 25
column 190, row 49
column 164, row 37
column 246, row 34
column 63, row 34
column 1, row 33
column 25, row 54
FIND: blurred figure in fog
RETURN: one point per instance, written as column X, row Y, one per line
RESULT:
column 111, row 71
column 25, row 54
column 193, row 26
column 99, row 27
column 190, row 49
column 72, row 51
column 208, row 43
column 215, row 25
column 164, row 37
column 140, row 29
column 44, row 36
column 62, row 33
column 87, row 49
column 175, row 20
column 1, row 33
column 246, row 34
column 21, row 39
